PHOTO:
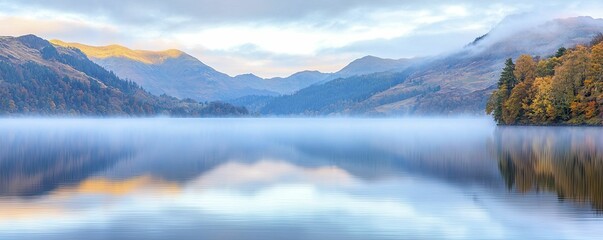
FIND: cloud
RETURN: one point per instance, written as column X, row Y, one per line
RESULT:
column 235, row 174
column 251, row 59
column 305, row 30
column 214, row 11
column 16, row 26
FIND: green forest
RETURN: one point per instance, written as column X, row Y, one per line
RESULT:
column 564, row 89
column 38, row 88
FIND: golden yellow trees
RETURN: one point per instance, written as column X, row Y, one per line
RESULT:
column 593, row 87
column 525, row 68
column 595, row 67
column 564, row 89
column 546, row 67
column 568, row 79
column 542, row 110
column 514, row 108
column 521, row 95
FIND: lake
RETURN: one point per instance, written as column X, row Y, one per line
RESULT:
column 412, row 178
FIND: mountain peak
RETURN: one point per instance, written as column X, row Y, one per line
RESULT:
column 306, row 73
column 372, row 64
column 369, row 57
column 114, row 50
column 33, row 41
column 247, row 75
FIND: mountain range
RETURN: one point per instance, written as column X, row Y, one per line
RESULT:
column 458, row 82
column 179, row 74
column 39, row 78
column 455, row 83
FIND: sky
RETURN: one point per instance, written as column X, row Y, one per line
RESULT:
column 273, row 38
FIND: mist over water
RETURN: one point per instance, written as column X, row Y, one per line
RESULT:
column 298, row 179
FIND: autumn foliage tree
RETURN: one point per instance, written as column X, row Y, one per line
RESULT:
column 566, row 88
column 506, row 82
column 516, row 107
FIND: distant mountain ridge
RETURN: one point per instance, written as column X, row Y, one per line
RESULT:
column 148, row 57
column 456, row 83
column 39, row 78
column 179, row 74
column 371, row 64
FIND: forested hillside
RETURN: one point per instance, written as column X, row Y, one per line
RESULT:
column 37, row 78
column 334, row 96
column 566, row 88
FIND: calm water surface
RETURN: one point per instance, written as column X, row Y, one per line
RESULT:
column 298, row 179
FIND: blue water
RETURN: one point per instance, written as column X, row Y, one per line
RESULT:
column 298, row 179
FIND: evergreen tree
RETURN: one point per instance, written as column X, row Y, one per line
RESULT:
column 506, row 82
column 507, row 77
column 560, row 52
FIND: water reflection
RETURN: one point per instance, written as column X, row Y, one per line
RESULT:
column 296, row 179
column 33, row 164
column 567, row 161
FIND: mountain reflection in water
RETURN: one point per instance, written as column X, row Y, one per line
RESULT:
column 297, row 179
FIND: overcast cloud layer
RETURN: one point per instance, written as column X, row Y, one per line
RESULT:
column 276, row 37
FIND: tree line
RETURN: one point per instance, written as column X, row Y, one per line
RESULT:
column 566, row 88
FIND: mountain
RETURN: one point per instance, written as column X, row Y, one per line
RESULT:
column 456, row 83
column 169, row 72
column 333, row 96
column 362, row 66
column 296, row 81
column 178, row 74
column 372, row 64
column 39, row 78
column 468, row 76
